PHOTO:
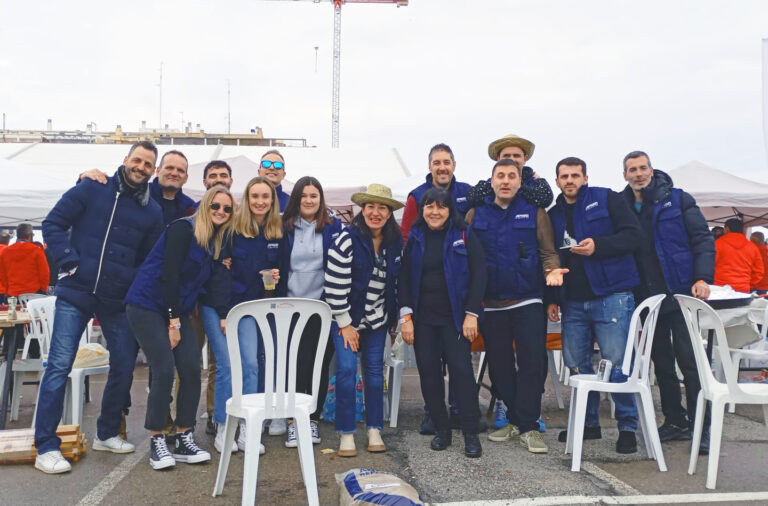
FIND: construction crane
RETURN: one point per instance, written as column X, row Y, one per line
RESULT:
column 337, row 55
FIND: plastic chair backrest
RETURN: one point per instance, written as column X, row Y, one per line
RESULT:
column 24, row 298
column 41, row 310
column 691, row 308
column 284, row 312
column 639, row 349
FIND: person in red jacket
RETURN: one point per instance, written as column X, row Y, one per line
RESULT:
column 737, row 262
column 758, row 238
column 23, row 267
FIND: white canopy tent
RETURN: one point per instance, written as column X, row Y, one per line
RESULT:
column 34, row 176
column 721, row 195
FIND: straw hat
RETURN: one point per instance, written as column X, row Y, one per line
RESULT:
column 496, row 146
column 377, row 193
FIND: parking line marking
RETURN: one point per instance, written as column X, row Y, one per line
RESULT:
column 719, row 497
column 110, row 481
column 620, row 486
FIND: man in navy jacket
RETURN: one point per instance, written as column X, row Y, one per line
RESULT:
column 272, row 167
column 676, row 255
column 99, row 235
column 596, row 298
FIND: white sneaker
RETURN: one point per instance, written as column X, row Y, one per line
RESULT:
column 241, row 439
column 277, row 427
column 52, row 462
column 115, row 444
column 218, row 442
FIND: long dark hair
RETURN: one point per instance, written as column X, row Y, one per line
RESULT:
column 390, row 233
column 442, row 198
column 293, row 209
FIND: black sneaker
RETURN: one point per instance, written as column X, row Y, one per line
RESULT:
column 159, row 456
column 442, row 440
column 210, row 427
column 472, row 447
column 627, row 442
column 589, row 433
column 427, row 428
column 186, row 450
column 671, row 432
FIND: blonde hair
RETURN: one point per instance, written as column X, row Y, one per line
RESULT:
column 206, row 235
column 245, row 223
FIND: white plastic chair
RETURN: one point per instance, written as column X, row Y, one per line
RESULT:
column 637, row 357
column 395, row 368
column 712, row 390
column 43, row 312
column 24, row 298
column 278, row 400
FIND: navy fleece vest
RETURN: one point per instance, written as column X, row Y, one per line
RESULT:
column 362, row 271
column 511, row 249
column 591, row 219
column 455, row 265
column 249, row 257
column 671, row 241
column 146, row 290
column 458, row 192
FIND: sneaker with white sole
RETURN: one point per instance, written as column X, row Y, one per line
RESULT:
column 241, row 444
column 533, row 441
column 218, row 441
column 115, row 444
column 504, row 434
column 52, row 462
column 315, row 432
column 277, row 427
column 290, row 436
column 186, row 450
column 159, row 455
column 500, row 416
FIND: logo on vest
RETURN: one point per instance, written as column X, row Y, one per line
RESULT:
column 522, row 216
column 592, row 206
column 273, row 245
column 667, row 204
column 461, row 199
column 334, row 235
column 460, row 242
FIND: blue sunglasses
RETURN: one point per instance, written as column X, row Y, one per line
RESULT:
column 267, row 164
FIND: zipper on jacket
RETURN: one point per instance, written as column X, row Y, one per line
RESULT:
column 104, row 245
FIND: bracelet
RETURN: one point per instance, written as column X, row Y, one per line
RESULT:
column 405, row 318
column 176, row 326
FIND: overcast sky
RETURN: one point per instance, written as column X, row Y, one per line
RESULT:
column 595, row 79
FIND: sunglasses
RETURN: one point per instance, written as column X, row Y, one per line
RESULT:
column 216, row 206
column 269, row 164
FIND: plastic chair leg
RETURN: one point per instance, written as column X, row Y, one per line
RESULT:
column 76, row 381
column 571, row 418
column 698, row 426
column 578, row 428
column 641, row 418
column 230, row 426
column 18, row 383
column 553, row 376
column 307, row 458
column 251, row 461
column 716, row 436
column 397, row 383
column 653, row 432
column 205, row 355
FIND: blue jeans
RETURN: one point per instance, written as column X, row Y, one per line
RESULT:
column 68, row 327
column 607, row 318
column 371, row 351
column 248, row 337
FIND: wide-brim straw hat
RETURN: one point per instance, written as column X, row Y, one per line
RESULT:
column 496, row 146
column 376, row 193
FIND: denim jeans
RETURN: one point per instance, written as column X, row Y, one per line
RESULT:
column 68, row 327
column 607, row 318
column 371, row 351
column 248, row 338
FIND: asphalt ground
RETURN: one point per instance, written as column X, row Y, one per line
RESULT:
column 506, row 474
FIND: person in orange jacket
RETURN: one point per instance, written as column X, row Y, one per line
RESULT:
column 737, row 262
column 23, row 267
column 759, row 239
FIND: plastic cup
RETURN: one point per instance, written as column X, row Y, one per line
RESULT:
column 269, row 280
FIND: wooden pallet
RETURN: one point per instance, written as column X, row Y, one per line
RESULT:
column 18, row 446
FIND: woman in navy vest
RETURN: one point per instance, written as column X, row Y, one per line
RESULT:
column 258, row 243
column 159, row 302
column 360, row 287
column 311, row 229
column 441, row 287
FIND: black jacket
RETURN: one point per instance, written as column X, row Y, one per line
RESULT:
column 700, row 238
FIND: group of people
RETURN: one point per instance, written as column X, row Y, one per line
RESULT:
column 160, row 273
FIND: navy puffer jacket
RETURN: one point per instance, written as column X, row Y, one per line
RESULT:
column 106, row 230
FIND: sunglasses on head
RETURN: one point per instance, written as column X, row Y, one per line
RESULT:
column 216, row 206
column 269, row 164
